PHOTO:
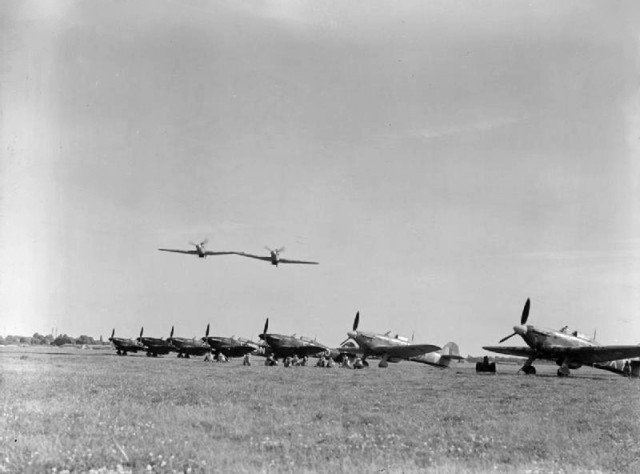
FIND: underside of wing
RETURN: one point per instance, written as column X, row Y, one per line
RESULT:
column 284, row 260
column 408, row 351
column 243, row 254
column 188, row 252
column 601, row 353
column 514, row 351
column 209, row 252
column 356, row 351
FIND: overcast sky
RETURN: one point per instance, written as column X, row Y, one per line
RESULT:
column 442, row 160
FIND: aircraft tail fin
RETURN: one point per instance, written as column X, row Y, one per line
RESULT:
column 449, row 352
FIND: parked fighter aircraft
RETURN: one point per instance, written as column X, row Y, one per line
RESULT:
column 155, row 346
column 186, row 347
column 441, row 358
column 274, row 258
column 124, row 345
column 229, row 346
column 283, row 346
column 200, row 250
column 388, row 348
column 570, row 350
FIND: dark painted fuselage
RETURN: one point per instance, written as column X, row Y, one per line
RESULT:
column 230, row 346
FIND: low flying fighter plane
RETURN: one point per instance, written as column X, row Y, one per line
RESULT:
column 200, row 250
column 186, row 347
column 570, row 350
column 274, row 257
column 283, row 346
column 385, row 346
column 229, row 346
column 155, row 345
column 124, row 345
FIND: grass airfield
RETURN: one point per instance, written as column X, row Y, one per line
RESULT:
column 90, row 410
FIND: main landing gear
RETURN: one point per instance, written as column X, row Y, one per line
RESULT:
column 121, row 353
column 181, row 355
column 529, row 370
column 563, row 371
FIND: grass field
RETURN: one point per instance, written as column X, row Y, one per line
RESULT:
column 82, row 410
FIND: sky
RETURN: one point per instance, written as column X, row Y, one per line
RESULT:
column 443, row 161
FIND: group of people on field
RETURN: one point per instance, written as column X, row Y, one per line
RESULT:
column 292, row 361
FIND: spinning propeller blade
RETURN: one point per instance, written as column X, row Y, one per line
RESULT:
column 356, row 321
column 281, row 249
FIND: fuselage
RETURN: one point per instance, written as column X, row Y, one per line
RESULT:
column 126, row 345
column 156, row 345
column 374, row 344
column 543, row 338
column 284, row 346
column 230, row 346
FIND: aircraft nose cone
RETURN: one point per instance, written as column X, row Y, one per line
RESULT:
column 352, row 334
column 520, row 329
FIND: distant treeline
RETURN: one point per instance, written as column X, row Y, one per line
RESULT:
column 49, row 340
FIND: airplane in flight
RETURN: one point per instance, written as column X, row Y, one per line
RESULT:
column 229, row 346
column 274, row 257
column 284, row 346
column 187, row 347
column 441, row 358
column 385, row 346
column 200, row 250
column 124, row 345
column 569, row 350
column 155, row 346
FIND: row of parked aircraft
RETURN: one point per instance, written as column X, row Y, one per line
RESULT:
column 569, row 350
column 361, row 344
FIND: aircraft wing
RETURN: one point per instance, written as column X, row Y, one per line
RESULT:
column 511, row 350
column 284, row 260
column 408, row 351
column 209, row 252
column 188, row 252
column 259, row 257
column 601, row 353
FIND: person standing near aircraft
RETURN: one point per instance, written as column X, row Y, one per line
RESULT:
column 246, row 360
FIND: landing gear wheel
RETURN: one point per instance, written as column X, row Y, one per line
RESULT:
column 155, row 354
column 187, row 356
column 383, row 364
column 563, row 373
column 365, row 363
column 124, row 353
column 529, row 370
column 148, row 354
column 180, row 355
column 118, row 352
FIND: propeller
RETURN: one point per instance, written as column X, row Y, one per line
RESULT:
column 206, row 333
column 266, row 326
column 201, row 244
column 171, row 334
column 523, row 319
column 281, row 249
column 140, row 336
column 113, row 332
column 356, row 321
